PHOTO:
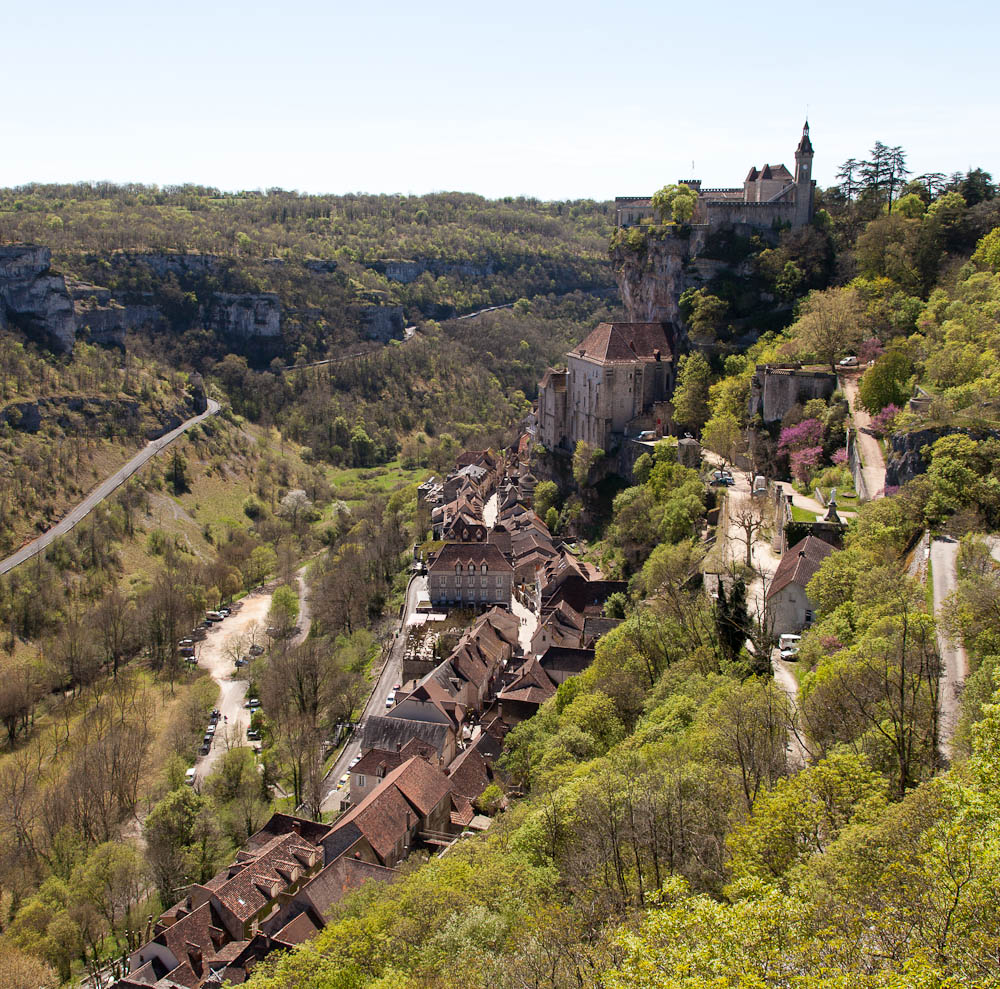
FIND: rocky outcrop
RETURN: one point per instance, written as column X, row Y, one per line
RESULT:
column 905, row 460
column 406, row 271
column 94, row 413
column 244, row 316
column 34, row 298
column 651, row 281
column 382, row 323
column 99, row 318
column 163, row 264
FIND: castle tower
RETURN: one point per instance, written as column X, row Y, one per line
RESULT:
column 803, row 179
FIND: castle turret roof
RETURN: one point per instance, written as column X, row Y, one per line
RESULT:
column 752, row 176
column 805, row 145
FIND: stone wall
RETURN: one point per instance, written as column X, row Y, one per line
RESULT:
column 751, row 214
column 775, row 388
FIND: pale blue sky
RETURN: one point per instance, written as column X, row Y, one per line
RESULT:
column 553, row 99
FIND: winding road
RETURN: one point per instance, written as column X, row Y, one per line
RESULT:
column 105, row 488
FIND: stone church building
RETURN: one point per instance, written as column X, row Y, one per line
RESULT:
column 612, row 386
column 768, row 196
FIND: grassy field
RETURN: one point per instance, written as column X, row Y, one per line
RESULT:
column 358, row 484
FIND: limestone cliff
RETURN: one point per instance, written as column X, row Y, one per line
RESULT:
column 34, row 298
column 99, row 318
column 244, row 316
column 383, row 323
column 652, row 279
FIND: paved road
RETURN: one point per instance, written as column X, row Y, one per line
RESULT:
column 954, row 662
column 391, row 674
column 872, row 461
column 102, row 491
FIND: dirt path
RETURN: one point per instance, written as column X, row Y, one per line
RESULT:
column 215, row 655
column 872, row 461
column 305, row 612
column 955, row 663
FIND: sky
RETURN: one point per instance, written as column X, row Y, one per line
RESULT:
column 549, row 99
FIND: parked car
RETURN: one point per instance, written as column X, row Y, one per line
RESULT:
column 242, row 661
column 216, row 714
column 256, row 650
column 790, row 655
column 354, row 762
column 722, row 477
column 342, row 782
column 214, row 616
column 189, row 777
column 647, row 435
column 206, row 742
column 253, row 735
column 205, row 746
column 849, row 361
column 759, row 485
column 390, row 700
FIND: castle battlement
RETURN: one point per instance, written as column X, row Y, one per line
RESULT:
column 771, row 195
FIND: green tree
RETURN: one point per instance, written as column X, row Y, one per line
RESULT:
column 886, row 381
column 691, row 394
column 546, row 496
column 283, row 612
column 829, row 325
column 675, row 203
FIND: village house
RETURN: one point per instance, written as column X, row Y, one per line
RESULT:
column 412, row 806
column 789, row 606
column 392, row 734
column 615, row 375
column 470, row 574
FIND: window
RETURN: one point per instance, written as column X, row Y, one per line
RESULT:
column 471, row 581
column 458, row 568
column 472, row 568
column 482, row 568
column 809, row 617
column 499, row 581
column 361, row 782
column 482, row 581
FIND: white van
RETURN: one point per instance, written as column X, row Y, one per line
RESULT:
column 788, row 645
column 189, row 777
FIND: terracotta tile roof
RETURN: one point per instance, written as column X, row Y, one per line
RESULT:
column 423, row 785
column 375, row 759
column 183, row 975
column 339, row 878
column 298, row 930
column 531, row 685
column 469, row 774
column 799, row 564
column 197, row 932
column 587, row 596
column 462, row 811
column 280, row 824
column 409, row 792
column 616, row 343
column 280, row 863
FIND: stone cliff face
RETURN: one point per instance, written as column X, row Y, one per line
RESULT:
column 243, row 316
column 383, row 323
column 99, row 318
column 406, row 271
column 651, row 281
column 34, row 298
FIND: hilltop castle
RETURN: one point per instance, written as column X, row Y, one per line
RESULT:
column 771, row 195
